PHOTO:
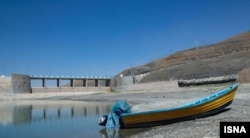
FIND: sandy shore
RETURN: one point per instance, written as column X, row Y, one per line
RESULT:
column 204, row 127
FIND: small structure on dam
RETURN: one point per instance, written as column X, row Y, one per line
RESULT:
column 17, row 83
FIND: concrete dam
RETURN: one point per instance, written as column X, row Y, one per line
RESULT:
column 19, row 83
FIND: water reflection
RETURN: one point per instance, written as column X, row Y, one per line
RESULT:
column 56, row 119
column 15, row 114
column 24, row 112
column 85, row 110
column 51, row 118
column 116, row 132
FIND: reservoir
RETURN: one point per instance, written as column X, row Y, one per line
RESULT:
column 50, row 119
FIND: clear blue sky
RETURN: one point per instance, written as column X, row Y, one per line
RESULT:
column 104, row 37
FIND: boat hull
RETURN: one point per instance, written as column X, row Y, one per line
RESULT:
column 205, row 107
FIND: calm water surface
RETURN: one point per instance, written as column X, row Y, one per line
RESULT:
column 34, row 119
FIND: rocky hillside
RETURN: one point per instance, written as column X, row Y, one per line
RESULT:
column 224, row 58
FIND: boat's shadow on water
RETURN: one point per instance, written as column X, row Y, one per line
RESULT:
column 119, row 133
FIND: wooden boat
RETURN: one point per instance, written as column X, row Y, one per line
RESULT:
column 209, row 105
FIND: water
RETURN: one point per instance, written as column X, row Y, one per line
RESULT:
column 42, row 119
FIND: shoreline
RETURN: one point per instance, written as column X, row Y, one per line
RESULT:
column 203, row 127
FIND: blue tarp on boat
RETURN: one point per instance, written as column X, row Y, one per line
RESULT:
column 119, row 108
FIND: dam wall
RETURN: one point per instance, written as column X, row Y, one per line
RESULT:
column 69, row 89
column 147, row 87
column 130, row 83
column 19, row 83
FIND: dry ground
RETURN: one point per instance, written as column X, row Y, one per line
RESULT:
column 204, row 127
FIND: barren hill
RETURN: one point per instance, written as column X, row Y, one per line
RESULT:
column 228, row 57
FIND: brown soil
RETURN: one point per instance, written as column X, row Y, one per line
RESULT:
column 244, row 75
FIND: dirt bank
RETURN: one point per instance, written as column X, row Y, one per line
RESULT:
column 244, row 75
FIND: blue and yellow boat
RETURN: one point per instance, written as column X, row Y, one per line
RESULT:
column 209, row 105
